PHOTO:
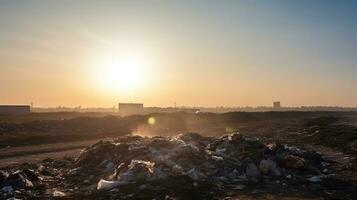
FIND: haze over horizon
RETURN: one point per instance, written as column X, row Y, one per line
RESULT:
column 195, row 53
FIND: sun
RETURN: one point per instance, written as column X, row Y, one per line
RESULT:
column 122, row 73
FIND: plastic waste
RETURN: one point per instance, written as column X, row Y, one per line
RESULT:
column 107, row 185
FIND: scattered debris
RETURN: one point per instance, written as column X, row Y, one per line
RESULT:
column 107, row 185
column 7, row 189
column 294, row 162
column 252, row 172
column 268, row 166
column 58, row 193
column 3, row 176
column 134, row 167
column 315, row 179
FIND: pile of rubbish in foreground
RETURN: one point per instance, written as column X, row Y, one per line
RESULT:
column 186, row 166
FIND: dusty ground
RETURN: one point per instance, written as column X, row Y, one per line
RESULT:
column 36, row 153
column 332, row 135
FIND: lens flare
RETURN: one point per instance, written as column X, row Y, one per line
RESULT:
column 151, row 121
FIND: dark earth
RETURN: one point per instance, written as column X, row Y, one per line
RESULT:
column 40, row 156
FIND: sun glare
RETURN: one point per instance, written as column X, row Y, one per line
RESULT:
column 121, row 74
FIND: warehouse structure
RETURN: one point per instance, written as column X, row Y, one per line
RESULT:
column 276, row 105
column 15, row 109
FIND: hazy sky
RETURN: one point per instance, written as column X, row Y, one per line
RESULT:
column 208, row 53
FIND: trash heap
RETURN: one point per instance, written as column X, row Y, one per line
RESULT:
column 135, row 166
column 35, row 181
column 186, row 166
column 20, row 179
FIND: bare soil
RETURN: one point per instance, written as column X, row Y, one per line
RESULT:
column 36, row 153
column 333, row 134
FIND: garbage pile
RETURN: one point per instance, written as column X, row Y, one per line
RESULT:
column 186, row 166
column 35, row 181
column 230, row 162
column 17, row 180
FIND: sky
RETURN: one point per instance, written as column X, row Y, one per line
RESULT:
column 194, row 53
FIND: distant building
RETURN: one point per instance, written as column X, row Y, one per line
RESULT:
column 131, row 109
column 15, row 109
column 276, row 105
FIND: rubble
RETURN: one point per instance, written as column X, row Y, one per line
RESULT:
column 7, row 189
column 252, row 172
column 293, row 162
column 3, row 176
column 18, row 180
column 133, row 167
column 268, row 166
column 231, row 159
